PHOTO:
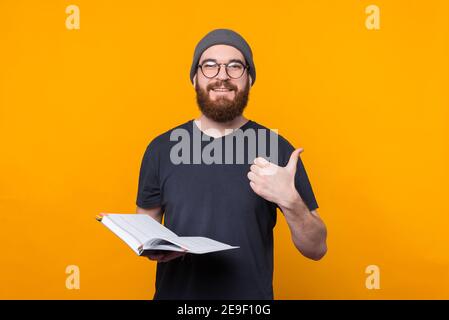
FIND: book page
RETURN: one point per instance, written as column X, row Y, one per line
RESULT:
column 202, row 244
column 128, row 238
column 136, row 229
column 141, row 231
column 142, row 226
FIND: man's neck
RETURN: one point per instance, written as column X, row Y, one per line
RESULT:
column 218, row 129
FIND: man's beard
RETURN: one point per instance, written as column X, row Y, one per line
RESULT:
column 222, row 109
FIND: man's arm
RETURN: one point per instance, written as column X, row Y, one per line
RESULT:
column 308, row 231
column 155, row 213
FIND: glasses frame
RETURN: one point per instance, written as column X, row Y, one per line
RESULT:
column 245, row 67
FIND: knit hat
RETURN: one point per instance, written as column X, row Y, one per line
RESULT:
column 228, row 37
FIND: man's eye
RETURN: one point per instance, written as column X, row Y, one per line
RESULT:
column 236, row 66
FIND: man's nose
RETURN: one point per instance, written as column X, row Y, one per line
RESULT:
column 222, row 75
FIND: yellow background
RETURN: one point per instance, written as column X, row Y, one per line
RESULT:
column 370, row 108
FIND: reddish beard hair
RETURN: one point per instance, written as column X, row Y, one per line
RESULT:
column 221, row 109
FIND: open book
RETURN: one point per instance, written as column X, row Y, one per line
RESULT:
column 143, row 234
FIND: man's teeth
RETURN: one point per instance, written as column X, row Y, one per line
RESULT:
column 221, row 89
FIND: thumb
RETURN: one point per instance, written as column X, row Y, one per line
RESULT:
column 293, row 161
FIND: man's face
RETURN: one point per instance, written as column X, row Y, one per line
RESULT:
column 222, row 98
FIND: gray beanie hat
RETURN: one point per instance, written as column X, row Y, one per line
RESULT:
column 228, row 37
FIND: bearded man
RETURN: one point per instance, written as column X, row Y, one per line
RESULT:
column 235, row 198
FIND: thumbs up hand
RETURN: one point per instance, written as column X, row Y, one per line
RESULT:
column 275, row 183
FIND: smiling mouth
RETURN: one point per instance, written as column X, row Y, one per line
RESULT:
column 222, row 90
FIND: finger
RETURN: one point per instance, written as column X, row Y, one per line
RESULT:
column 253, row 177
column 257, row 170
column 171, row 256
column 261, row 162
column 254, row 187
column 155, row 256
column 163, row 258
column 178, row 254
column 293, row 161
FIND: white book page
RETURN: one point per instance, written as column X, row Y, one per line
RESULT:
column 136, row 229
column 142, row 226
column 166, row 247
column 130, row 240
column 202, row 244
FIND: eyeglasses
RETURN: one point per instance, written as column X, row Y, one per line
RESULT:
column 234, row 69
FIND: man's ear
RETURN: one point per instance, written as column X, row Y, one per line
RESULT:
column 250, row 81
column 194, row 81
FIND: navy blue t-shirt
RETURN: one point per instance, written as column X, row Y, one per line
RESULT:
column 215, row 200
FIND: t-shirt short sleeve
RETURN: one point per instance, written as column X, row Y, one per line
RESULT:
column 302, row 183
column 149, row 192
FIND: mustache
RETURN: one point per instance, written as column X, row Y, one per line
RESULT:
column 221, row 84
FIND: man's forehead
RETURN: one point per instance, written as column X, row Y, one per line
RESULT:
column 222, row 53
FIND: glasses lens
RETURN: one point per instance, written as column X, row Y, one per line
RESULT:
column 210, row 69
column 235, row 69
